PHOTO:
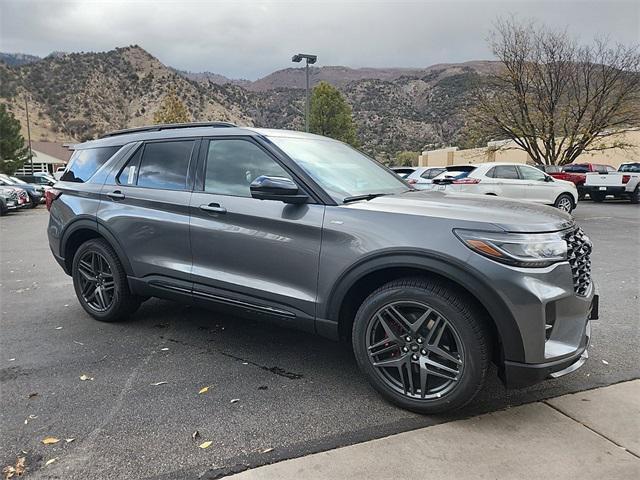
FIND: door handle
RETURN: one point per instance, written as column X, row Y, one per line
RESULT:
column 117, row 195
column 213, row 207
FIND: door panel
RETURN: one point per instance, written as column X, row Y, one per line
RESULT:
column 537, row 189
column 152, row 224
column 263, row 252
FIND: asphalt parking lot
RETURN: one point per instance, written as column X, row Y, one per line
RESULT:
column 273, row 393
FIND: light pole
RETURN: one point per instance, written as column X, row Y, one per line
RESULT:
column 310, row 59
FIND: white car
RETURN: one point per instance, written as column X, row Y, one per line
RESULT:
column 625, row 183
column 510, row 180
column 58, row 173
column 403, row 172
column 421, row 177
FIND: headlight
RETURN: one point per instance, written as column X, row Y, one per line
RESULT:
column 518, row 249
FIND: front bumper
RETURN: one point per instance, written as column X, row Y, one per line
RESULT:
column 519, row 375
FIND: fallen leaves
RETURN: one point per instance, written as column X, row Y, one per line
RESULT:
column 235, row 400
column 204, row 390
column 30, row 417
column 58, row 328
column 50, row 440
column 50, row 461
column 16, row 470
column 158, row 383
column 195, row 435
column 85, row 377
column 31, row 395
column 267, row 450
column 165, row 349
column 206, row 444
column 605, row 362
column 69, row 440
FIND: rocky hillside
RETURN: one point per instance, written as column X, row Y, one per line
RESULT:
column 77, row 96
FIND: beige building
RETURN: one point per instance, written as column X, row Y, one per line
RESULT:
column 508, row 151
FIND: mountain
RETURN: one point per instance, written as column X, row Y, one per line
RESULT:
column 17, row 59
column 76, row 96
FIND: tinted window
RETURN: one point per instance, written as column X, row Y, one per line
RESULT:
column 233, row 164
column 630, row 167
column 549, row 168
column 85, row 163
column 530, row 173
column 506, row 171
column 432, row 173
column 165, row 165
column 578, row 168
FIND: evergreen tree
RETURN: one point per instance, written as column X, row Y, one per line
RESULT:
column 330, row 115
column 13, row 151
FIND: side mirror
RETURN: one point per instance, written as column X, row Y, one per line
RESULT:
column 276, row 188
column 548, row 178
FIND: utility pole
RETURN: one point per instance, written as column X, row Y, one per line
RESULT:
column 309, row 59
column 26, row 107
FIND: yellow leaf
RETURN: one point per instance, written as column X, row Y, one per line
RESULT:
column 158, row 383
column 69, row 440
column 50, row 440
column 205, row 444
column 50, row 461
column 203, row 390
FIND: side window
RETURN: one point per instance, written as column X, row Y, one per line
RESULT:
column 83, row 164
column 506, row 171
column 233, row 164
column 432, row 173
column 530, row 173
column 491, row 173
column 164, row 165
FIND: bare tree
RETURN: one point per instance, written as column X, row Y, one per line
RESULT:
column 554, row 98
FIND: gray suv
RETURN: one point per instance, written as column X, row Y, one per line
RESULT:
column 307, row 232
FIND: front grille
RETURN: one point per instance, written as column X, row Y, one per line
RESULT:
column 579, row 255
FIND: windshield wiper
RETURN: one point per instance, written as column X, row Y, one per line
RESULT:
column 366, row 196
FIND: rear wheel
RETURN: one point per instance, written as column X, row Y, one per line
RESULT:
column 597, row 196
column 564, row 202
column 421, row 345
column 635, row 196
column 101, row 283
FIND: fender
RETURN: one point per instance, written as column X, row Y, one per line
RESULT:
column 93, row 224
column 450, row 268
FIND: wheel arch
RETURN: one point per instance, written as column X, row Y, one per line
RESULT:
column 85, row 229
column 361, row 279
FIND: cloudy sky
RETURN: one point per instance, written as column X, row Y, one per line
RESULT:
column 249, row 39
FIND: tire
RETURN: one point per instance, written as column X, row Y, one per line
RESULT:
column 597, row 197
column 3, row 209
column 115, row 296
column 564, row 202
column 635, row 196
column 32, row 202
column 459, row 322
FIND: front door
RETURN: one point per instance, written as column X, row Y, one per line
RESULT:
column 258, row 254
column 538, row 188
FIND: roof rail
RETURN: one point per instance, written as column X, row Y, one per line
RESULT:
column 168, row 126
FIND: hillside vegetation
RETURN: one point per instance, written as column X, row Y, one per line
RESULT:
column 77, row 96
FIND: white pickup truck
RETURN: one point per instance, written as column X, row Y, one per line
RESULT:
column 625, row 183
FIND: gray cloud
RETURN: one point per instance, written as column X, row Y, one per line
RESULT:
column 252, row 38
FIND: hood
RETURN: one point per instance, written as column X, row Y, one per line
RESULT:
column 508, row 215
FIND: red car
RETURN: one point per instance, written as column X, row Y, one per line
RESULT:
column 577, row 174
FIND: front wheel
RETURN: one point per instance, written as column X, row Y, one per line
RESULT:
column 100, row 282
column 421, row 345
column 564, row 202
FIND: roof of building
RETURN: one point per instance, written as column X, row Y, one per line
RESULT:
column 51, row 150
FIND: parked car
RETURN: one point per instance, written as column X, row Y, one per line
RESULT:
column 624, row 183
column 38, row 178
column 8, row 200
column 34, row 192
column 423, row 176
column 510, row 180
column 307, row 232
column 576, row 173
column 403, row 172
column 550, row 169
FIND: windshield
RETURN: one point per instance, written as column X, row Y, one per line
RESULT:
column 340, row 170
column 577, row 168
column 630, row 167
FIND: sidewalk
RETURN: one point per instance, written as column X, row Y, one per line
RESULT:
column 587, row 435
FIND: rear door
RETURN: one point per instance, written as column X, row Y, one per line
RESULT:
column 507, row 181
column 145, row 206
column 258, row 254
